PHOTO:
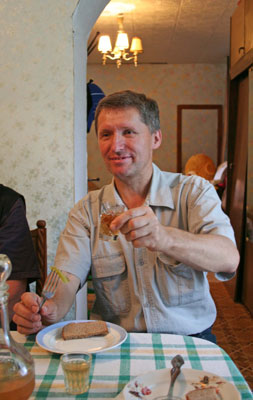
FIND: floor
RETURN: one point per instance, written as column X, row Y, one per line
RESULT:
column 234, row 330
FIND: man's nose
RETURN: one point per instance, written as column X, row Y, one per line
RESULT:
column 117, row 143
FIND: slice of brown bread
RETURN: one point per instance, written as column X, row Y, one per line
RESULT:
column 203, row 394
column 80, row 330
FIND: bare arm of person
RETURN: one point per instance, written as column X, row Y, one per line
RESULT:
column 16, row 289
column 27, row 315
column 203, row 252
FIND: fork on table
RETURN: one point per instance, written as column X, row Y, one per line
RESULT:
column 50, row 287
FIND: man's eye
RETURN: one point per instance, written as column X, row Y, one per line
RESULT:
column 128, row 132
column 104, row 135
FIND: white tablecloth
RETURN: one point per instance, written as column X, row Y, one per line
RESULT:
column 140, row 353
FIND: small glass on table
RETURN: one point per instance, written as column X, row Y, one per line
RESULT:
column 76, row 369
column 108, row 213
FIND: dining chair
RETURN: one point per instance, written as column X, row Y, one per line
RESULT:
column 91, row 297
column 39, row 238
column 85, row 299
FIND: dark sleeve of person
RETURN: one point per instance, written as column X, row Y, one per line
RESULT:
column 16, row 243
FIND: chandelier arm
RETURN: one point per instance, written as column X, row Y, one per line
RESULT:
column 114, row 57
column 125, row 57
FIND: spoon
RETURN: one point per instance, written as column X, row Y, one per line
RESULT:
column 176, row 362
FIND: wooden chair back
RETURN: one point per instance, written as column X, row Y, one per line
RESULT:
column 91, row 297
column 39, row 237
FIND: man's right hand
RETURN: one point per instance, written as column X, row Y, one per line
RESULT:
column 27, row 315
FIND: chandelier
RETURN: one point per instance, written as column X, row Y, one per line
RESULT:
column 121, row 45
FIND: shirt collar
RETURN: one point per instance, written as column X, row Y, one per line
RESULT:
column 111, row 195
column 159, row 192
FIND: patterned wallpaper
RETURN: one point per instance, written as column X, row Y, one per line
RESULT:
column 36, row 127
column 170, row 85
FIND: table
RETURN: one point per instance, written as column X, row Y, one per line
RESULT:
column 140, row 353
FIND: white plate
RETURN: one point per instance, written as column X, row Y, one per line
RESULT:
column 156, row 383
column 50, row 339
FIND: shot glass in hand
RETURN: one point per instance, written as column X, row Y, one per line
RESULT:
column 76, row 369
column 108, row 213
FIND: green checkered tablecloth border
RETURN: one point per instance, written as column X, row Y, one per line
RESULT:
column 140, row 353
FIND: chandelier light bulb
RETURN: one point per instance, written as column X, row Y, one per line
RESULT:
column 104, row 44
column 136, row 45
column 122, row 42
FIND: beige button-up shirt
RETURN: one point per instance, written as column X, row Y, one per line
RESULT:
column 139, row 289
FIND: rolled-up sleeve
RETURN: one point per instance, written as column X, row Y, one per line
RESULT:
column 207, row 217
column 73, row 252
column 205, row 214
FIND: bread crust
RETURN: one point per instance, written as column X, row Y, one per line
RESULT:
column 80, row 330
column 203, row 394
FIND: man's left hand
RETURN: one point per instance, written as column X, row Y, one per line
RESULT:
column 140, row 226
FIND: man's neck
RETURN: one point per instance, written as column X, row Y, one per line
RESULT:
column 133, row 194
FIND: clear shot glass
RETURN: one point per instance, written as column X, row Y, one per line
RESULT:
column 108, row 213
column 76, row 369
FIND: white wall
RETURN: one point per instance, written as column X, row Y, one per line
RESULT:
column 43, row 105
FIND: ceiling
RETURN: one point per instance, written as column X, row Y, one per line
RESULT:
column 172, row 31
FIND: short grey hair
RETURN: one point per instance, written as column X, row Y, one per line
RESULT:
column 147, row 107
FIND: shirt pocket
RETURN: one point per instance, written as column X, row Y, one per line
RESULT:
column 180, row 284
column 110, row 281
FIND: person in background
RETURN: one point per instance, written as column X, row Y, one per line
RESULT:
column 153, row 278
column 16, row 243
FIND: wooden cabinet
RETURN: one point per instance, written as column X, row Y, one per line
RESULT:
column 237, row 34
column 241, row 38
column 239, row 205
column 248, row 16
column 237, row 170
column 247, row 293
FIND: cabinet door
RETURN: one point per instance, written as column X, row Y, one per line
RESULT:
column 248, row 11
column 237, row 180
column 247, row 293
column 237, row 45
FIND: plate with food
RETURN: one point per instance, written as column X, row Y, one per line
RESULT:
column 85, row 335
column 191, row 384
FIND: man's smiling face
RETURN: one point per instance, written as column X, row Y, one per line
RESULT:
column 125, row 142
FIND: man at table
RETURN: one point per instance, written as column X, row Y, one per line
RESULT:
column 16, row 243
column 153, row 277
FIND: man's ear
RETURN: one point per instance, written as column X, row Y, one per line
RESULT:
column 157, row 139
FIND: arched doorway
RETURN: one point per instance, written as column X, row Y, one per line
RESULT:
column 84, row 17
